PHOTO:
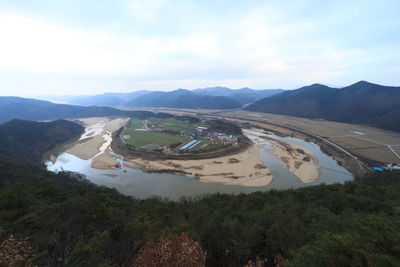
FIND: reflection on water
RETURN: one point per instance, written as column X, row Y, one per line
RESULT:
column 140, row 184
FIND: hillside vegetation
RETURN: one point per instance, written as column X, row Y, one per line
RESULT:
column 32, row 109
column 183, row 99
column 71, row 222
column 26, row 141
column 362, row 102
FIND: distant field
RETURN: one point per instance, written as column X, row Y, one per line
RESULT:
column 138, row 139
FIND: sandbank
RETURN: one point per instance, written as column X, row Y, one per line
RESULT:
column 245, row 168
column 96, row 139
column 105, row 161
column 297, row 159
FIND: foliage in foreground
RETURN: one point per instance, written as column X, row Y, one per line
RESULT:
column 71, row 222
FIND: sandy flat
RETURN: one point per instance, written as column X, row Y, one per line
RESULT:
column 105, row 161
column 97, row 137
column 245, row 168
column 297, row 159
column 111, row 175
column 87, row 149
column 53, row 158
column 114, row 125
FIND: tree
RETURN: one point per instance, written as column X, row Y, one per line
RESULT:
column 171, row 252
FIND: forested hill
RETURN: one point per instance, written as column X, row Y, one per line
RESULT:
column 26, row 141
column 67, row 221
column 183, row 99
column 362, row 102
column 32, row 109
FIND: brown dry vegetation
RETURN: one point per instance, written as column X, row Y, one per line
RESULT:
column 178, row 251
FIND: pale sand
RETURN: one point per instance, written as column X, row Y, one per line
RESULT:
column 87, row 149
column 91, row 121
column 114, row 125
column 53, row 158
column 294, row 156
column 245, row 168
column 97, row 137
column 297, row 159
column 105, row 161
column 111, row 175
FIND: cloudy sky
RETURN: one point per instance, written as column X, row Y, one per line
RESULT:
column 88, row 47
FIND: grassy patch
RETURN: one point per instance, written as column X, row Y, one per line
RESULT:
column 173, row 124
column 138, row 139
column 136, row 124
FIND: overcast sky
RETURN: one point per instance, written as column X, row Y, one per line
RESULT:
column 88, row 47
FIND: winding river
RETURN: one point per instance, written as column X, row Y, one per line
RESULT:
column 139, row 184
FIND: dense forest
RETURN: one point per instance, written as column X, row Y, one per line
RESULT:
column 62, row 219
column 362, row 102
column 26, row 141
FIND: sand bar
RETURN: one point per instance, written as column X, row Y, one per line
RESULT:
column 245, row 168
column 96, row 139
column 297, row 159
column 105, row 161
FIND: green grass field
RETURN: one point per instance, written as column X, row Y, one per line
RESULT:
column 138, row 139
column 136, row 124
column 173, row 124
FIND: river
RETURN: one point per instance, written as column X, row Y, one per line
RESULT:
column 139, row 184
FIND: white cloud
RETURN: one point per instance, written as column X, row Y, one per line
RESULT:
column 267, row 46
column 147, row 10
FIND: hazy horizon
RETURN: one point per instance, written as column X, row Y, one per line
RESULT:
column 75, row 48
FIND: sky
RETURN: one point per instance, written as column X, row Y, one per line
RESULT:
column 71, row 47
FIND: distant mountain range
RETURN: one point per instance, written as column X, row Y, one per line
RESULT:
column 183, row 99
column 362, row 102
column 32, row 109
column 26, row 141
column 243, row 95
column 207, row 98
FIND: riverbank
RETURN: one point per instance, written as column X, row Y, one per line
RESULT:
column 245, row 168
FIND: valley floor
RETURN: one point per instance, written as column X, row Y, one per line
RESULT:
column 246, row 168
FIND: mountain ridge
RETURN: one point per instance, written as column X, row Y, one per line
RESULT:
column 361, row 102
column 183, row 98
column 242, row 95
column 36, row 110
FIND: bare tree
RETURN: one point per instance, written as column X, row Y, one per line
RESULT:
column 179, row 251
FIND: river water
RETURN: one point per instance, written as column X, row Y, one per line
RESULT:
column 139, row 184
